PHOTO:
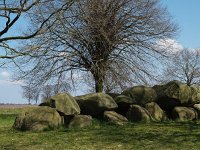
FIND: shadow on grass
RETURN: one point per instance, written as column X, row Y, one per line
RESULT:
column 7, row 116
column 169, row 135
column 140, row 134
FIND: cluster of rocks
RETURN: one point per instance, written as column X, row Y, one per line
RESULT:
column 174, row 100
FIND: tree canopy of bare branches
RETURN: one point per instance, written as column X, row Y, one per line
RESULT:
column 10, row 13
column 107, row 37
column 13, row 12
column 184, row 66
column 49, row 90
column 30, row 93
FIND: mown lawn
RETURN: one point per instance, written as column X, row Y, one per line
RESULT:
column 155, row 136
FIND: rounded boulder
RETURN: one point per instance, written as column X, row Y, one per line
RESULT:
column 155, row 111
column 184, row 114
column 80, row 121
column 38, row 119
column 141, row 94
column 65, row 104
column 197, row 108
column 137, row 113
column 173, row 94
column 95, row 104
column 123, row 103
column 115, row 118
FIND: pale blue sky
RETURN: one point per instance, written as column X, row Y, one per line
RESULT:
column 186, row 13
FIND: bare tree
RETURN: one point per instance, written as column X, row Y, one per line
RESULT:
column 10, row 13
column 51, row 89
column 183, row 66
column 31, row 93
column 15, row 11
column 97, row 37
column 115, row 80
column 46, row 92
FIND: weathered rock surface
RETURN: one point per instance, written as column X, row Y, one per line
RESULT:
column 123, row 103
column 137, row 113
column 197, row 108
column 173, row 94
column 38, row 119
column 155, row 111
column 80, row 121
column 115, row 118
column 95, row 104
column 184, row 114
column 65, row 104
column 195, row 97
column 141, row 94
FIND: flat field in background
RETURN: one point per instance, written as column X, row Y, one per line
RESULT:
column 155, row 136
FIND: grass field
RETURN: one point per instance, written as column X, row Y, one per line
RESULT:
column 155, row 136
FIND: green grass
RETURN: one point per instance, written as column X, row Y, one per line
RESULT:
column 155, row 136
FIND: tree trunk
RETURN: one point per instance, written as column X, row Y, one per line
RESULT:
column 98, row 84
column 99, row 72
column 98, row 75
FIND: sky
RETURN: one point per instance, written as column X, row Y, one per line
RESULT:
column 184, row 12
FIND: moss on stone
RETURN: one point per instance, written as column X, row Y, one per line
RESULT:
column 65, row 104
column 80, row 121
column 141, row 94
column 137, row 113
column 38, row 119
column 95, row 104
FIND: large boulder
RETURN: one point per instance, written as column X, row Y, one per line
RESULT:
column 195, row 95
column 115, row 118
column 80, row 121
column 197, row 108
column 38, row 119
column 173, row 94
column 155, row 111
column 184, row 114
column 65, row 104
column 137, row 113
column 95, row 104
column 141, row 94
column 123, row 103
